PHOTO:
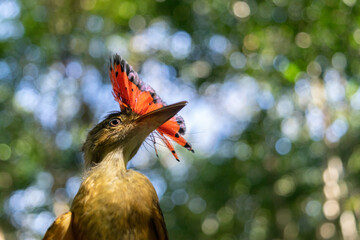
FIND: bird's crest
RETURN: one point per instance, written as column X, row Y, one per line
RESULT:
column 132, row 93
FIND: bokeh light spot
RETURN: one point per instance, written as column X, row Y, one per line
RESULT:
column 179, row 197
column 5, row 152
column 127, row 9
column 78, row 45
column 42, row 222
column 284, row 186
column 243, row 151
column 313, row 208
column 356, row 35
column 303, row 40
column 95, row 24
column 283, row 146
column 339, row 61
column 180, row 44
column 137, row 23
column 291, row 127
column 34, row 197
column 315, row 122
column 265, row 100
column 11, row 29
column 348, row 225
column 291, row 231
column 251, row 42
column 201, row 7
column 96, row 47
column 241, row 9
column 197, row 205
column 210, row 225
column 74, row 69
column 4, row 70
column 281, row 63
column 314, row 69
column 63, row 139
column 336, row 130
column 327, row 230
column 350, row 3
column 87, row 4
column 225, row 214
column 44, row 180
column 335, row 90
column 284, row 106
column 331, row 209
column 237, row 60
column 9, row 9
column 201, row 69
column 218, row 44
column 117, row 44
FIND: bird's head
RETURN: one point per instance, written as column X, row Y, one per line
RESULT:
column 124, row 132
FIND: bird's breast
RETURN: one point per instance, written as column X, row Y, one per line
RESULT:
column 114, row 204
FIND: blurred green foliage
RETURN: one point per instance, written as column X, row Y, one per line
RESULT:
column 281, row 80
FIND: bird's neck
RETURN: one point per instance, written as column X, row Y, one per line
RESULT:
column 114, row 161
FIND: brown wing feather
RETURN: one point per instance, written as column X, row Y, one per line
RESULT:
column 159, row 224
column 61, row 229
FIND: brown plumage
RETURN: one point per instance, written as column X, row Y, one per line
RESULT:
column 113, row 202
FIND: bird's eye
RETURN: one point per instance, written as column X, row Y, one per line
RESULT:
column 114, row 122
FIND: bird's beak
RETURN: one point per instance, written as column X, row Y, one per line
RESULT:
column 158, row 117
column 145, row 124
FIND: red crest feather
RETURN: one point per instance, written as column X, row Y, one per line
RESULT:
column 130, row 92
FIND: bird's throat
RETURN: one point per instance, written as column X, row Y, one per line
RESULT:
column 114, row 161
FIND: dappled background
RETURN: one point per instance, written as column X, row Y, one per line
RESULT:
column 273, row 113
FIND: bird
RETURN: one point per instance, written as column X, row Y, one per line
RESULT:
column 114, row 202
